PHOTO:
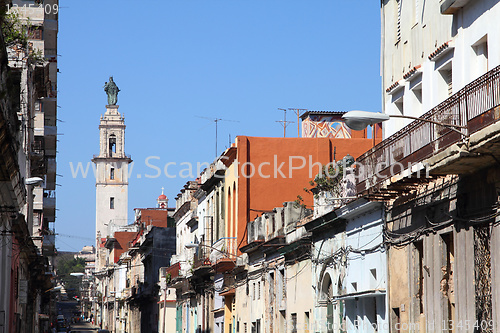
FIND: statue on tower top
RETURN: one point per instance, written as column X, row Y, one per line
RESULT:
column 112, row 90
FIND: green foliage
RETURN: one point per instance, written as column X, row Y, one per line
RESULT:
column 16, row 33
column 13, row 30
column 329, row 180
column 67, row 265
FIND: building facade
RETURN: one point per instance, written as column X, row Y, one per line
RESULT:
column 112, row 174
column 29, row 135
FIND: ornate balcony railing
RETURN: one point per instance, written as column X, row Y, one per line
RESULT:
column 202, row 255
column 420, row 139
column 224, row 248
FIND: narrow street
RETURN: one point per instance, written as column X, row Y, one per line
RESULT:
column 83, row 327
column 284, row 166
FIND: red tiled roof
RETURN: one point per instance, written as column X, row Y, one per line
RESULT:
column 155, row 217
column 122, row 243
column 439, row 50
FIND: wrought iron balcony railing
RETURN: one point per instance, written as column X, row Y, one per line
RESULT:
column 419, row 140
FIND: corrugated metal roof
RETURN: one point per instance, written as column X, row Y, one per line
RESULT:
column 325, row 113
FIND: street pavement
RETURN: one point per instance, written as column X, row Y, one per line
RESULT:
column 83, row 327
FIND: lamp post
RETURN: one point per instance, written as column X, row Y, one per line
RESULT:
column 79, row 275
column 30, row 183
column 359, row 120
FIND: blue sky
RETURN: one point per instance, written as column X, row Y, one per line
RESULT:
column 178, row 60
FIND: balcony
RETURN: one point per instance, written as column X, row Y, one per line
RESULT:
column 386, row 170
column 41, row 75
column 449, row 7
column 201, row 260
column 49, row 107
column 223, row 254
column 49, row 245
column 49, row 205
column 212, row 174
column 51, row 168
column 173, row 270
column 50, row 142
column 179, row 269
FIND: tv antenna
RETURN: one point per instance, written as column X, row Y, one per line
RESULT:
column 297, row 112
column 216, row 121
column 283, row 122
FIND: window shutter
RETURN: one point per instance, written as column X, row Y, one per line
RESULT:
column 398, row 28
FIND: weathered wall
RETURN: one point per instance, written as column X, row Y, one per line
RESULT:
column 471, row 51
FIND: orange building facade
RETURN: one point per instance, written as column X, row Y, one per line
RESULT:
column 264, row 172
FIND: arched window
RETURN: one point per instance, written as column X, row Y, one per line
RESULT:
column 327, row 297
column 229, row 212
column 112, row 144
column 234, row 211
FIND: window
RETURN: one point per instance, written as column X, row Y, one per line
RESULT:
column 282, row 285
column 112, row 173
column 396, row 321
column 416, row 11
column 294, row 323
column 112, row 144
column 419, row 258
column 306, row 322
column 36, row 33
column 282, row 321
column 398, row 15
column 271, row 287
column 481, row 51
column 399, row 105
column 446, row 80
column 448, row 286
column 416, row 96
column 112, row 203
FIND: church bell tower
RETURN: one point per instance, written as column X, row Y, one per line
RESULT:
column 112, row 172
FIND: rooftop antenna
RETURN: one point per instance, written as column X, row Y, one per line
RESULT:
column 283, row 122
column 216, row 120
column 297, row 112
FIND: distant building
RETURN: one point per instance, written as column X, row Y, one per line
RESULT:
column 251, row 178
column 87, row 253
column 112, row 174
column 126, row 288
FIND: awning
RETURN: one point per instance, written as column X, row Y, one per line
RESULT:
column 229, row 292
column 361, row 294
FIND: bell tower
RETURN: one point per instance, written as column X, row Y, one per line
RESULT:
column 112, row 174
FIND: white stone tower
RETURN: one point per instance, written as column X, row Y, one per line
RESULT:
column 112, row 174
